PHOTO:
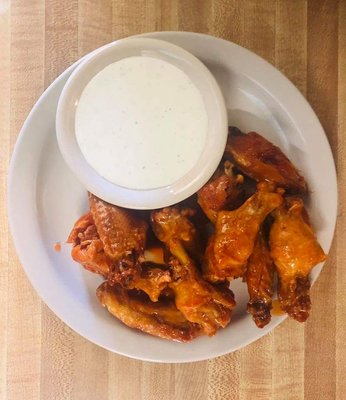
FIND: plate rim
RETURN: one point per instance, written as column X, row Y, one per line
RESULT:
column 15, row 155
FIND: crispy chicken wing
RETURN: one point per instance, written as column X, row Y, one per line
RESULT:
column 160, row 319
column 261, row 160
column 200, row 302
column 152, row 280
column 222, row 192
column 260, row 282
column 120, row 229
column 123, row 235
column 295, row 251
column 235, row 233
column 122, row 264
column 87, row 247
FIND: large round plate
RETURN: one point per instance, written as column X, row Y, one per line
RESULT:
column 45, row 199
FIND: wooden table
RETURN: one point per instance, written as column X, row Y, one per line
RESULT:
column 40, row 357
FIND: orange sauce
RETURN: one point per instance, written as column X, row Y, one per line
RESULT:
column 155, row 255
column 277, row 310
column 57, row 246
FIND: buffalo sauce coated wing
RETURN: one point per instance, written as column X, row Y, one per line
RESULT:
column 87, row 246
column 160, row 319
column 235, row 233
column 152, row 280
column 295, row 252
column 256, row 157
column 123, row 235
column 222, row 192
column 200, row 302
column 120, row 230
column 126, row 263
column 260, row 282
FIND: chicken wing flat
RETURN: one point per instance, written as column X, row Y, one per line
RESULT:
column 260, row 282
column 131, row 269
column 160, row 319
column 235, row 233
column 120, row 230
column 222, row 192
column 295, row 251
column 87, row 247
column 123, row 235
column 200, row 302
column 258, row 158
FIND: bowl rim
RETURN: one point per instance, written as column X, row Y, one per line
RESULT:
column 211, row 154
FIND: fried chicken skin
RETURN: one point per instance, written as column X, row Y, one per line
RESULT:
column 160, row 319
column 122, row 232
column 87, row 247
column 295, row 251
column 222, row 192
column 258, row 158
column 123, row 235
column 235, row 233
column 260, row 282
column 123, row 264
column 200, row 302
column 152, row 280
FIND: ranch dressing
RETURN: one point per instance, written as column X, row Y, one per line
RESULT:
column 141, row 123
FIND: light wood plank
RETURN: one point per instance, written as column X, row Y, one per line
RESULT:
column 124, row 378
column 26, row 85
column 157, row 381
column 322, row 87
column 58, row 353
column 291, row 59
column 90, row 371
column 341, row 226
column 134, row 17
column 94, row 25
column 61, row 39
column 224, row 377
column 24, row 306
column 5, row 66
column 291, row 41
column 194, row 15
column 191, row 381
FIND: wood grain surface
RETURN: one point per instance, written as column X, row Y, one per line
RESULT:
column 40, row 357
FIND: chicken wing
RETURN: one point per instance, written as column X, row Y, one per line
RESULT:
column 200, row 302
column 123, row 235
column 256, row 157
column 120, row 229
column 87, row 247
column 152, row 280
column 260, row 282
column 160, row 319
column 222, row 192
column 122, row 264
column 295, row 251
column 235, row 233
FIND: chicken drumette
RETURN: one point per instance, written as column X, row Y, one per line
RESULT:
column 235, row 233
column 200, row 302
column 260, row 282
column 295, row 251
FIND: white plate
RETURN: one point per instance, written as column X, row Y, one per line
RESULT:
column 45, row 199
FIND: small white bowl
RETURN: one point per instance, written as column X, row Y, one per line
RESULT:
column 214, row 104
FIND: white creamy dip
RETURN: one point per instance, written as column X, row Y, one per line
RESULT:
column 141, row 123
